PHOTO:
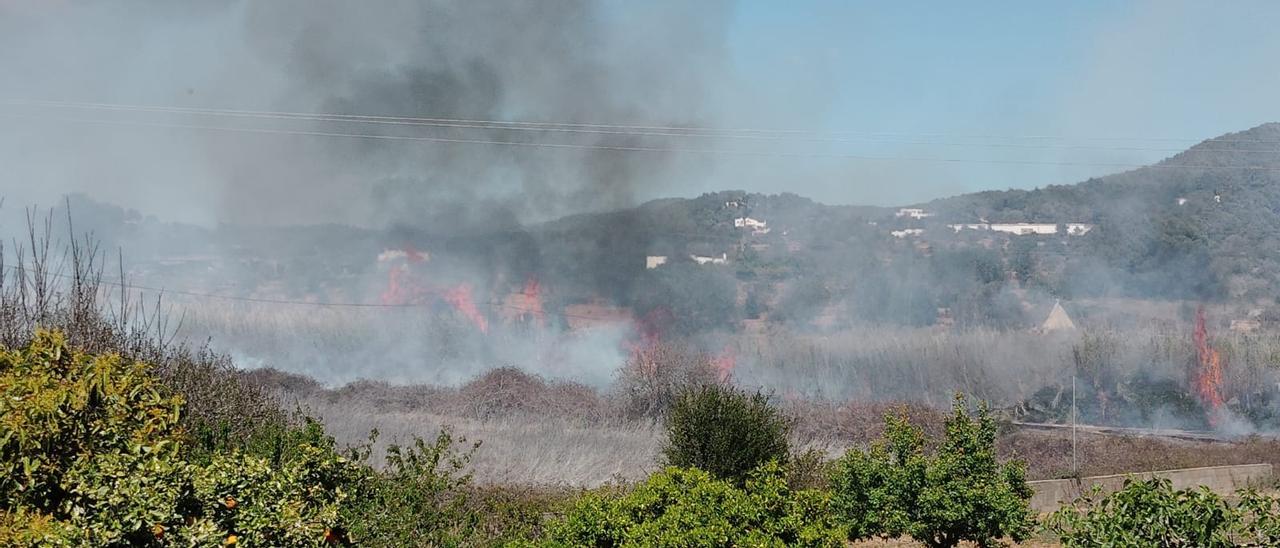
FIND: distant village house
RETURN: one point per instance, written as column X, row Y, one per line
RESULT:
column 913, row 213
column 701, row 259
column 1025, row 229
column 756, row 226
column 907, row 232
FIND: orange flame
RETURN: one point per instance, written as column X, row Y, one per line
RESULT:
column 460, row 298
column 530, row 305
column 1207, row 378
column 401, row 288
column 724, row 362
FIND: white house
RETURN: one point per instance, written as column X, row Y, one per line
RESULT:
column 409, row 255
column 907, row 232
column 654, row 261
column 703, row 259
column 1026, row 228
column 1022, row 229
column 912, row 212
column 756, row 226
column 1078, row 229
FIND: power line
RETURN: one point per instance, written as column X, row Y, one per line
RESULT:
column 550, row 127
column 321, row 304
column 632, row 148
column 536, row 124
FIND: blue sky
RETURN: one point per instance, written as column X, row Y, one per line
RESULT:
column 1015, row 94
column 1160, row 74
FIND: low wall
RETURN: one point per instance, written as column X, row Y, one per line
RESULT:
column 1224, row 480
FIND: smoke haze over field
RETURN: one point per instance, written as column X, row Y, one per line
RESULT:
column 570, row 61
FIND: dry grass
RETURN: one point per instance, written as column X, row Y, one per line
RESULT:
column 528, row 450
column 1048, row 454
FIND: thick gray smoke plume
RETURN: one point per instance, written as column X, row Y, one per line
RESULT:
column 561, row 61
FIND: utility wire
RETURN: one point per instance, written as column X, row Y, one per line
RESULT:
column 599, row 129
column 258, row 300
column 536, row 124
column 632, row 148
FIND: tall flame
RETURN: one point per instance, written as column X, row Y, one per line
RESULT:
column 532, row 306
column 1207, row 377
column 404, row 288
column 724, row 362
column 459, row 297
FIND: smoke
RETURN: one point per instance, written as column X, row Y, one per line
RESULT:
column 565, row 61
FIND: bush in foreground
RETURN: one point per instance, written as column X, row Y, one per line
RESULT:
column 690, row 508
column 961, row 492
column 91, row 454
column 726, row 432
column 1152, row 513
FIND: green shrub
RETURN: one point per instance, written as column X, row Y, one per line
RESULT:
column 1146, row 513
column 91, row 454
column 726, row 432
column 690, row 508
column 960, row 492
column 1151, row 512
column 420, row 499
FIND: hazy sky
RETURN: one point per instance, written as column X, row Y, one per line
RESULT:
column 1077, row 83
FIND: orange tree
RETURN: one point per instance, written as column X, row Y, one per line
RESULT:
column 960, row 492
column 91, row 454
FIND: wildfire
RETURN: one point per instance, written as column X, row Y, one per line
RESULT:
column 403, row 288
column 724, row 362
column 1207, row 377
column 460, row 298
column 525, row 306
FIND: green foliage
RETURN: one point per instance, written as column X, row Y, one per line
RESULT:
column 1151, row 512
column 420, row 499
column 726, row 432
column 1146, row 513
column 874, row 491
column 689, row 508
column 960, row 492
column 91, row 454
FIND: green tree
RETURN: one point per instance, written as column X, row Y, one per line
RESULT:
column 726, row 432
column 960, row 492
column 690, row 508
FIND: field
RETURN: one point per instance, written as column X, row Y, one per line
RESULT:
column 538, row 430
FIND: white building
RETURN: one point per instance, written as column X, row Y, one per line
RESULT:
column 912, row 212
column 756, row 226
column 654, row 261
column 907, row 232
column 1023, row 229
column 703, row 259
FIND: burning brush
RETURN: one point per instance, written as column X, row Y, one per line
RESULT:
column 1206, row 375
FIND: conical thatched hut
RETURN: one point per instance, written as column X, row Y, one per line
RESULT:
column 1058, row 320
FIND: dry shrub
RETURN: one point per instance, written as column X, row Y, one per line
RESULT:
column 273, row 379
column 1048, row 454
column 501, row 393
column 857, row 422
column 394, row 398
column 62, row 288
column 507, row 391
column 654, row 378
